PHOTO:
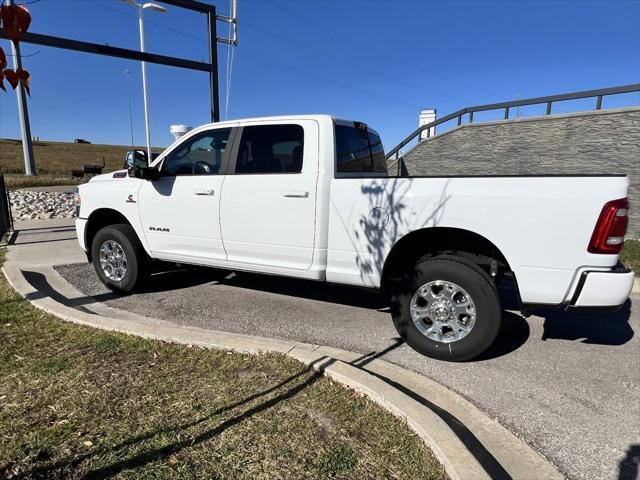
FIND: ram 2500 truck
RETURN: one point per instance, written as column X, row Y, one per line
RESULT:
column 310, row 197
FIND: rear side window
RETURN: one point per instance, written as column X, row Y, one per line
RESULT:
column 359, row 150
column 270, row 149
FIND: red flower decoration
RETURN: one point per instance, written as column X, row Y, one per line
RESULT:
column 16, row 20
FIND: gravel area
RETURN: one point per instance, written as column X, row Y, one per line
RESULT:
column 31, row 205
column 567, row 383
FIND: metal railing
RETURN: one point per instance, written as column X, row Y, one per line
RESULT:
column 506, row 106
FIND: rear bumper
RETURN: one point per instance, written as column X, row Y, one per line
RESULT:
column 603, row 289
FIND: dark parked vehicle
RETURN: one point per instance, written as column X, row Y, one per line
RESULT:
column 81, row 140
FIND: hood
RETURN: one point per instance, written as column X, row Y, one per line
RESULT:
column 117, row 175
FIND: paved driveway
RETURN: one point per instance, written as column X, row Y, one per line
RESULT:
column 569, row 384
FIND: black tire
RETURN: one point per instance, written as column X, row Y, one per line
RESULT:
column 476, row 282
column 136, row 264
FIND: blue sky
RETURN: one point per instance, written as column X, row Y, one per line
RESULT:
column 373, row 61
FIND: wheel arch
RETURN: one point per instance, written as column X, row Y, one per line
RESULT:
column 98, row 219
column 442, row 240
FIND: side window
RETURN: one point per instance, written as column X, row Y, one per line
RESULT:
column 359, row 151
column 270, row 149
column 201, row 154
column 377, row 154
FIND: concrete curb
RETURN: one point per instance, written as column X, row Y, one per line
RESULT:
column 636, row 285
column 442, row 418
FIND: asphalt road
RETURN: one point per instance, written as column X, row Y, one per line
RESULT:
column 568, row 384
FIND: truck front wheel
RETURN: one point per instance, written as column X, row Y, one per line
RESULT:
column 446, row 308
column 118, row 257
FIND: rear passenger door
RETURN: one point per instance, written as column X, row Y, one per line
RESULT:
column 268, row 203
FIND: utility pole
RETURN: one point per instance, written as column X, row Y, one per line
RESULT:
column 23, row 113
column 144, row 84
column 232, row 20
column 128, row 74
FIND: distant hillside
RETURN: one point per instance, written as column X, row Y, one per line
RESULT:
column 62, row 157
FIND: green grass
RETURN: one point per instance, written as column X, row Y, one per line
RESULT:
column 78, row 402
column 630, row 255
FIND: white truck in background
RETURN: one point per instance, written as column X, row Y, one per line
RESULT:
column 310, row 197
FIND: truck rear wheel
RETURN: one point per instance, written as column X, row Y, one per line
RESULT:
column 447, row 308
column 118, row 257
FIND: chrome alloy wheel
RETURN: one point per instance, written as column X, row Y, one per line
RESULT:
column 113, row 260
column 443, row 311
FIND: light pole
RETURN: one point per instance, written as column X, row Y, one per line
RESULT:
column 141, row 8
column 128, row 74
column 23, row 111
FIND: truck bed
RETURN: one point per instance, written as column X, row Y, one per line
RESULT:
column 541, row 224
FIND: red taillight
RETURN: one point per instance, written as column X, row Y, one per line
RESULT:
column 608, row 236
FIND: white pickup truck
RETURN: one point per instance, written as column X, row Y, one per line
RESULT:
column 310, row 197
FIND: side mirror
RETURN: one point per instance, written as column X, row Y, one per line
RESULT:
column 135, row 158
column 146, row 173
column 136, row 163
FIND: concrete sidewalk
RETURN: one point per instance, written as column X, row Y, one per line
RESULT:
column 467, row 442
column 43, row 242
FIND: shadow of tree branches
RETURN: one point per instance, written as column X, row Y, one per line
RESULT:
column 60, row 468
column 390, row 214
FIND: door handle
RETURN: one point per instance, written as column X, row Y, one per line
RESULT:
column 204, row 191
column 295, row 194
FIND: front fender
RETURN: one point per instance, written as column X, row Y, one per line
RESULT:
column 108, row 202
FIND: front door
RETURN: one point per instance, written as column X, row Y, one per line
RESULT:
column 269, row 195
column 180, row 211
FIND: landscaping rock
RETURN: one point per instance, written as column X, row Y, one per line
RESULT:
column 27, row 205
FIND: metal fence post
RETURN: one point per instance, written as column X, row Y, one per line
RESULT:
column 599, row 102
column 5, row 209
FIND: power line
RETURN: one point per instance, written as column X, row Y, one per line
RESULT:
column 146, row 21
column 25, row 55
column 308, row 47
column 386, row 53
column 311, row 75
column 230, row 51
column 354, row 64
column 256, row 57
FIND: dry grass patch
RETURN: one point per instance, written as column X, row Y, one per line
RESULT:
column 59, row 158
column 630, row 255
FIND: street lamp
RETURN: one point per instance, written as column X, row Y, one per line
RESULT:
column 141, row 8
